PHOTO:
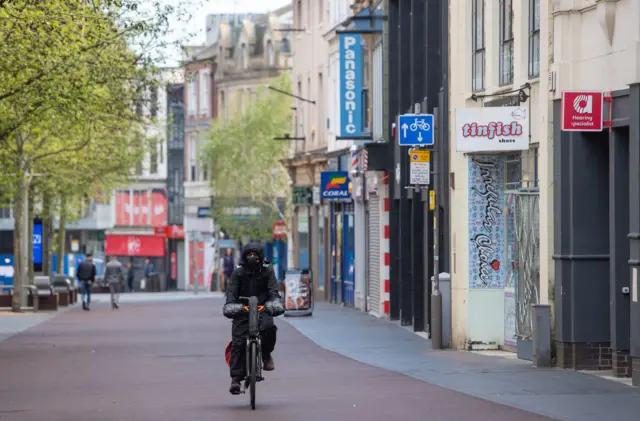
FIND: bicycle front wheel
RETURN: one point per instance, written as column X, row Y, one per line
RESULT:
column 253, row 373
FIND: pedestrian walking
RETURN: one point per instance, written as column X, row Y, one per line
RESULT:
column 228, row 266
column 148, row 271
column 86, row 274
column 114, row 277
column 130, row 274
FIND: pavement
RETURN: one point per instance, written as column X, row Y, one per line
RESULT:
column 161, row 358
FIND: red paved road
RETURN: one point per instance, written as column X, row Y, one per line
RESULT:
column 164, row 361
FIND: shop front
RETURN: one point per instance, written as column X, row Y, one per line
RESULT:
column 498, row 208
column 335, row 188
column 136, row 249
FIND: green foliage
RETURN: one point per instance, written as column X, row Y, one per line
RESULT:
column 246, row 162
column 71, row 72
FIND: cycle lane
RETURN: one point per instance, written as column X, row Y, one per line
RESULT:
column 164, row 361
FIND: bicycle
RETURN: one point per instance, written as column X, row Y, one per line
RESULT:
column 254, row 349
column 419, row 124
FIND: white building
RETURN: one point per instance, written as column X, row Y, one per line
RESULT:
column 501, row 190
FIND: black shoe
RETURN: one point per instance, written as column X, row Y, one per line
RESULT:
column 114, row 306
column 268, row 364
column 84, row 306
column 235, row 387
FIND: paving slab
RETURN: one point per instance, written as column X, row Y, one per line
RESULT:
column 164, row 361
column 561, row 394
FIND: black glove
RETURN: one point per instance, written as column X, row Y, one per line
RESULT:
column 274, row 308
column 232, row 310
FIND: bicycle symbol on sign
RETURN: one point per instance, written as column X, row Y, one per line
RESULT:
column 419, row 124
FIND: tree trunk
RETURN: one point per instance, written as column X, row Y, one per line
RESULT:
column 47, row 224
column 21, row 258
column 29, row 245
column 62, row 234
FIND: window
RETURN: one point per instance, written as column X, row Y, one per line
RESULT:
column 506, row 42
column 153, row 101
column 153, row 158
column 320, row 112
column 534, row 38
column 192, row 157
column 204, row 92
column 271, row 55
column 477, row 43
column 193, row 95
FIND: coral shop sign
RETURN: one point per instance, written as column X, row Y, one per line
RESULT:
column 491, row 129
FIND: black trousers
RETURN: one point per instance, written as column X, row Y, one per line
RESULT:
column 239, row 334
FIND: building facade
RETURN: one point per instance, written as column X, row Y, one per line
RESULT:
column 246, row 51
column 596, row 225
column 309, row 234
column 500, row 195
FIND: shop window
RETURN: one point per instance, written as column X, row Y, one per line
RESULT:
column 534, row 38
column 506, row 42
column 478, row 46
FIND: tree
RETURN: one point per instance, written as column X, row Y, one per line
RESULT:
column 245, row 164
column 70, row 72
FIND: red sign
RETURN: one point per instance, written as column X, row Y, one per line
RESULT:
column 279, row 229
column 158, row 207
column 174, row 265
column 196, row 263
column 134, row 245
column 140, row 208
column 175, row 232
column 582, row 111
column 123, row 208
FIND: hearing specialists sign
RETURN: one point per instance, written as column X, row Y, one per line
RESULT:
column 492, row 129
column 351, row 111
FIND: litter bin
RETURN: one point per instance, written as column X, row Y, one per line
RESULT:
column 298, row 293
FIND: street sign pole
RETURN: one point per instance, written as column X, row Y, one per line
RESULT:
column 436, row 296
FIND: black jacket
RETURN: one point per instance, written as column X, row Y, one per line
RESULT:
column 245, row 282
column 86, row 271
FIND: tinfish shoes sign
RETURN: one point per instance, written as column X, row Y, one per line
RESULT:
column 351, row 111
column 334, row 185
column 490, row 129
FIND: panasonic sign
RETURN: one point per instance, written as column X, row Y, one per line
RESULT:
column 350, row 85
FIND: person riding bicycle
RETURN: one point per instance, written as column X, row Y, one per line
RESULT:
column 254, row 276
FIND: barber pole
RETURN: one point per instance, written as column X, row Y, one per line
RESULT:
column 365, row 160
column 354, row 161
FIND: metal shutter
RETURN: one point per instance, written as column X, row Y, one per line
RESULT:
column 374, row 256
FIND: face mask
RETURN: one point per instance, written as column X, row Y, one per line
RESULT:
column 253, row 261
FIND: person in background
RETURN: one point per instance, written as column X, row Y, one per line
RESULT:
column 130, row 274
column 228, row 265
column 86, row 274
column 115, row 279
column 148, row 270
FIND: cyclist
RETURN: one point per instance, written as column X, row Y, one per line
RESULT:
column 254, row 276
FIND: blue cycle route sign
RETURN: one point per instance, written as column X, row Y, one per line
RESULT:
column 416, row 129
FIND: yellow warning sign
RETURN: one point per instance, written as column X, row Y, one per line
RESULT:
column 419, row 155
column 432, row 200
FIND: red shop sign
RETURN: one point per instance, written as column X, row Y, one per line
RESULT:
column 279, row 229
column 134, row 245
column 175, row 232
column 160, row 231
column 582, row 111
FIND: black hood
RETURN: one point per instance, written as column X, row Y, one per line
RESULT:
column 255, row 247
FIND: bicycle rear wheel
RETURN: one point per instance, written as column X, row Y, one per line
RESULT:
column 253, row 373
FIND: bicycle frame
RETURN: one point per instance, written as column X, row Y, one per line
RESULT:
column 254, row 337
